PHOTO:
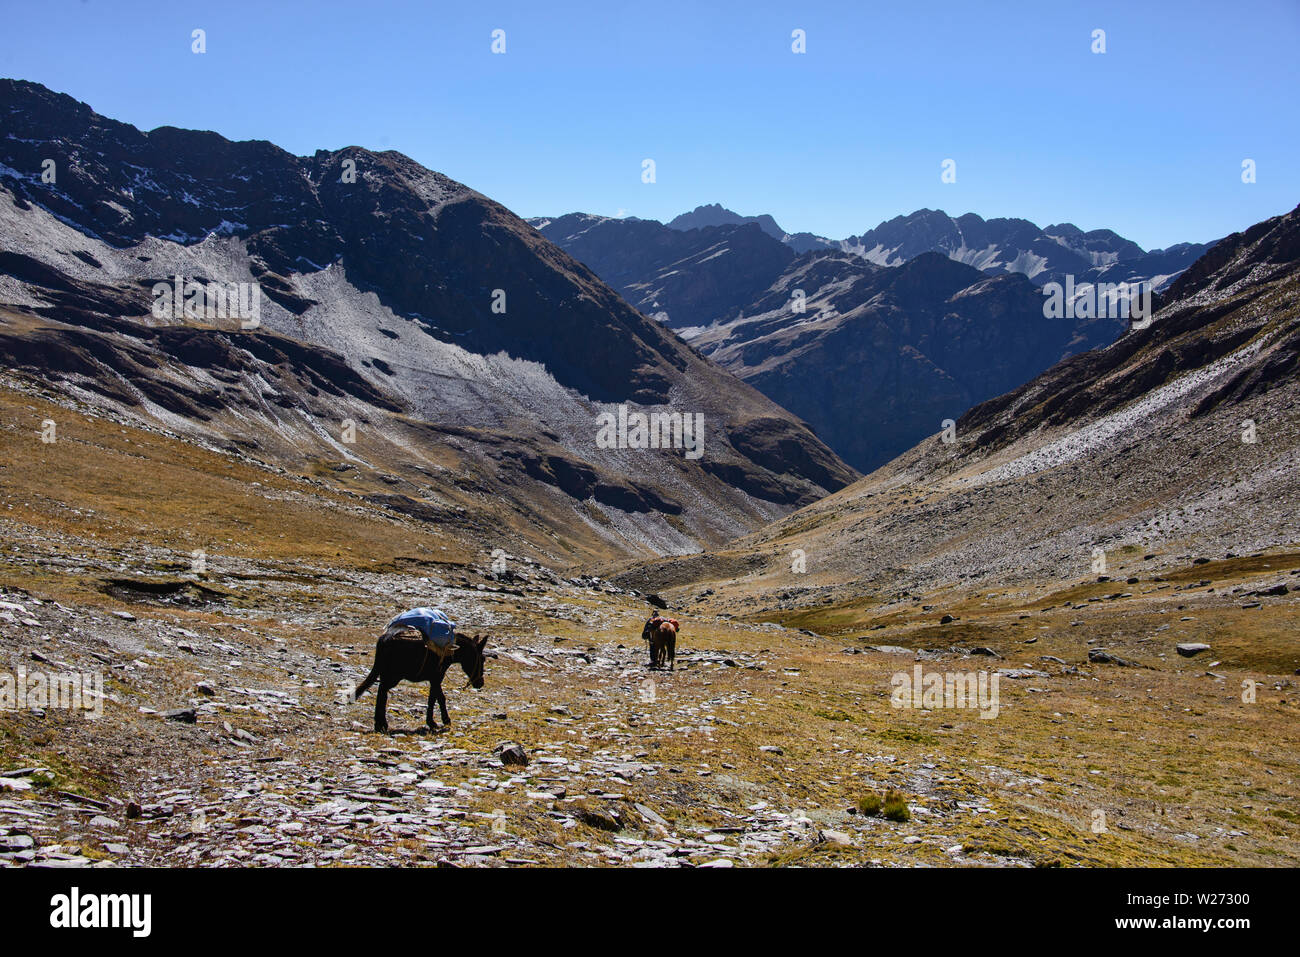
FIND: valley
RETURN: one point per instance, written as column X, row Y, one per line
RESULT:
column 914, row 481
column 228, row 737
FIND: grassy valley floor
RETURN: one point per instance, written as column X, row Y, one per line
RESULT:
column 228, row 736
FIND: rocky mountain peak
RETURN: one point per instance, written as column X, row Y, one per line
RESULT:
column 391, row 295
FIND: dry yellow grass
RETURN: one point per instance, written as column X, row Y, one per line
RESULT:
column 1184, row 771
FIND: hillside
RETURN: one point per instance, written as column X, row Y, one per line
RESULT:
column 1117, row 540
column 1044, row 255
column 874, row 356
column 874, row 362
column 1141, row 447
column 882, row 356
column 471, row 357
column 684, row 278
column 1108, row 549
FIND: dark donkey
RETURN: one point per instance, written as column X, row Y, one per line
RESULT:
column 402, row 659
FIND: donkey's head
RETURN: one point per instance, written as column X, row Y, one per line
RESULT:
column 469, row 652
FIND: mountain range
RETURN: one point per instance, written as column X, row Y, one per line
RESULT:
column 993, row 246
column 467, row 358
column 1175, row 446
column 254, row 404
column 871, row 360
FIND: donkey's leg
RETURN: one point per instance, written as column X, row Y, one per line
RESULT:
column 442, row 704
column 381, row 706
column 428, row 711
column 672, row 652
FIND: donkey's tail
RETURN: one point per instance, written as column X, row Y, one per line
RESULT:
column 372, row 677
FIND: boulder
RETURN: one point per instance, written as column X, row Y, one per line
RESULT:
column 511, row 753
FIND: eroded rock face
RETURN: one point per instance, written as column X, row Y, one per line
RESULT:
column 715, row 214
column 1180, row 432
column 424, row 244
column 895, row 330
column 686, row 277
column 1207, row 315
column 377, row 294
column 881, row 356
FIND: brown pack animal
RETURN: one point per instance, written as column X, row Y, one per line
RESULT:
column 662, row 635
column 404, row 659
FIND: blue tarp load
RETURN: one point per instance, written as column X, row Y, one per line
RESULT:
column 438, row 630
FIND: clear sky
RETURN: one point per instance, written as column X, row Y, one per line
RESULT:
column 1147, row 138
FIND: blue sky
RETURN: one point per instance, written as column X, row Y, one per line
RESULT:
column 1147, row 138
